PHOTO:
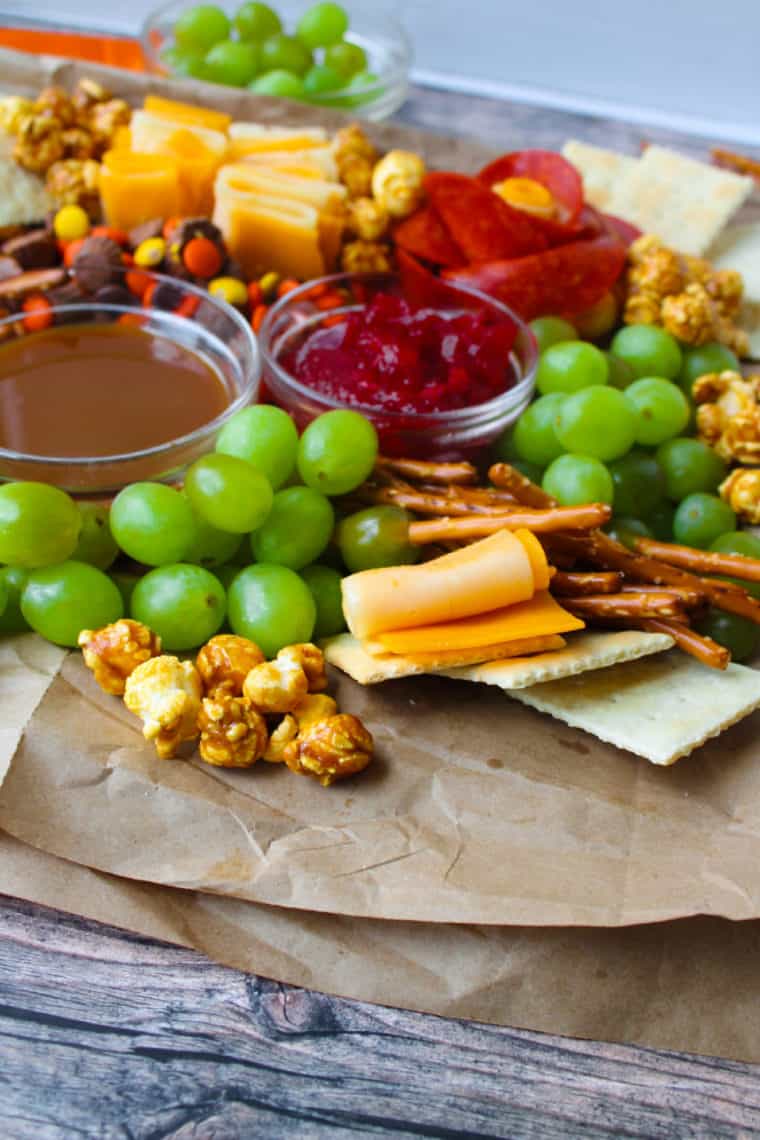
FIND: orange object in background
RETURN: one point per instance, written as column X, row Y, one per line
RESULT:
column 111, row 50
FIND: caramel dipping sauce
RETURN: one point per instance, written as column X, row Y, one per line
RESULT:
column 103, row 389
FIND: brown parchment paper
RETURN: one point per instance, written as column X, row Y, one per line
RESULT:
column 691, row 985
column 476, row 810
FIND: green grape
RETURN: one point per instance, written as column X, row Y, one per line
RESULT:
column 552, row 330
column 649, row 350
column 38, row 524
column 337, row 452
column 620, row 372
column 535, row 437
column 271, row 606
column 346, row 59
column 324, row 584
column 231, row 63
column 283, row 84
column 322, row 25
column 321, row 79
column 701, row 518
column 689, row 465
column 597, row 421
column 740, row 635
column 96, row 544
column 662, row 408
column 228, row 492
column 60, row 601
column 188, row 64
column 297, row 529
column 575, row 479
column 625, row 529
column 152, row 523
column 3, row 595
column 256, row 21
column 365, row 84
column 531, row 471
column 183, row 604
column 639, row 483
column 266, row 437
column 201, row 27
column 285, row 53
column 733, row 542
column 377, row 536
column 570, row 366
column 125, row 582
column 660, row 520
column 12, row 582
column 711, row 357
column 212, row 547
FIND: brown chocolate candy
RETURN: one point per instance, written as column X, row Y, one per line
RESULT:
column 166, row 296
column 36, row 249
column 115, row 295
column 145, row 231
column 33, row 281
column 98, row 263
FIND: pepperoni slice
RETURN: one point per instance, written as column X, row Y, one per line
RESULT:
column 424, row 235
column 550, row 169
column 561, row 281
column 420, row 287
column 482, row 225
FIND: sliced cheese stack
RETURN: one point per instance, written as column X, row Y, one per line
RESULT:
column 252, row 139
column 485, row 602
column 279, row 218
column 197, row 149
column 137, row 187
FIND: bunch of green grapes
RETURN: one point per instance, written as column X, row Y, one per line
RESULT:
column 240, row 541
column 314, row 62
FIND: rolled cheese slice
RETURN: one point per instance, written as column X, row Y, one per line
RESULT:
column 501, row 570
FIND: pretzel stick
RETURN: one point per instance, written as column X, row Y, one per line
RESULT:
column 738, row 162
column 559, row 518
column 488, row 496
column 567, row 585
column 701, row 561
column 510, row 479
column 649, row 603
column 691, row 599
column 424, row 470
column 726, row 596
column 435, row 503
column 695, row 644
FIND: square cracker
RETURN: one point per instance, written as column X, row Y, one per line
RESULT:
column 660, row 708
column 684, row 202
column 738, row 247
column 584, row 651
column 600, row 169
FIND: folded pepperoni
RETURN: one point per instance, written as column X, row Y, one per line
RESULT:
column 479, row 221
column 424, row 235
column 547, row 167
column 420, row 287
column 561, row 281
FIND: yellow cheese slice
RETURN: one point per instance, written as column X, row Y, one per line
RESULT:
column 316, row 161
column 453, row 658
column 486, row 575
column 264, row 234
column 255, row 138
column 538, row 617
column 187, row 113
column 241, row 178
column 152, row 134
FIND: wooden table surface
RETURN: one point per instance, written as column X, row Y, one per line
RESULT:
column 110, row 1036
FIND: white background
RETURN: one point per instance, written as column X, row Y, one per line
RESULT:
column 692, row 63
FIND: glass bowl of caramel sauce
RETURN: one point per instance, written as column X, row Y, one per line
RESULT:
column 112, row 391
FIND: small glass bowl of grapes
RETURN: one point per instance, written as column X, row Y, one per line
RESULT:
column 353, row 57
column 440, row 376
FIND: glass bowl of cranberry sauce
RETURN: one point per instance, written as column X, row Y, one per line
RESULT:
column 440, row 379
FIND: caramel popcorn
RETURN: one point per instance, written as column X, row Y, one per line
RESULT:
column 78, row 143
column 73, row 182
column 39, row 143
column 728, row 415
column 281, row 737
column 166, row 694
column 366, row 257
column 276, row 686
column 311, row 659
column 355, row 173
column 233, row 733
column 104, row 120
column 367, row 219
column 741, row 490
column 313, row 708
column 683, row 294
column 54, row 103
column 331, row 749
column 397, row 182
column 224, row 663
column 115, row 651
column 13, row 110
column 87, row 92
column 351, row 142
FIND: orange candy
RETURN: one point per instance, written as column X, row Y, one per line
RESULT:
column 137, row 281
column 70, row 250
column 121, row 237
column 255, row 294
column 39, row 313
column 188, row 306
column 131, row 319
column 287, row 286
column 258, row 315
column 201, row 257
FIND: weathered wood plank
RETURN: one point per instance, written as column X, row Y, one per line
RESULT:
column 104, row 1034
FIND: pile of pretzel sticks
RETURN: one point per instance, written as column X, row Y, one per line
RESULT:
column 658, row 586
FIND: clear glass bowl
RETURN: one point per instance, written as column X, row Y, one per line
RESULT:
column 210, row 328
column 371, row 26
column 463, row 433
